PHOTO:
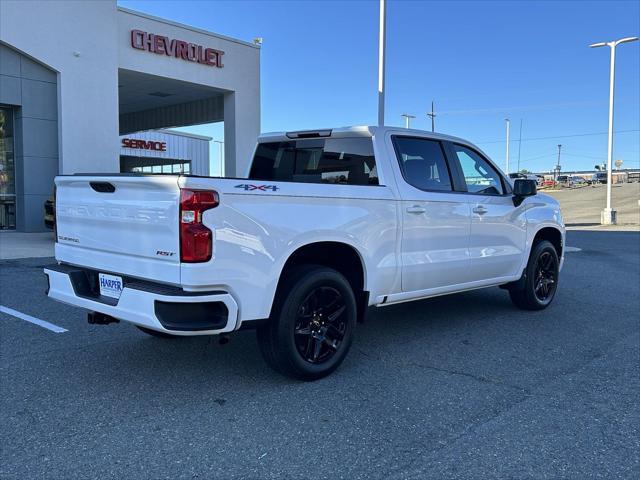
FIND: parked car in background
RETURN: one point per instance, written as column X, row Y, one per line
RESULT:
column 329, row 223
column 563, row 180
column 577, row 181
column 599, row 177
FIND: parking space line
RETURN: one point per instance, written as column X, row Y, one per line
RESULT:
column 34, row 320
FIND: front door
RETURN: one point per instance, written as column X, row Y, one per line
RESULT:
column 498, row 227
column 436, row 223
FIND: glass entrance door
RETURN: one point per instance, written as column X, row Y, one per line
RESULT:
column 7, row 171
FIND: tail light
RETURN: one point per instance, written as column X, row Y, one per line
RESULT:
column 196, row 240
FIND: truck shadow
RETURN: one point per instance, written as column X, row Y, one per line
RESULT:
column 199, row 363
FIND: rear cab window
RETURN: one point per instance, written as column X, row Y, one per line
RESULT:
column 423, row 163
column 344, row 161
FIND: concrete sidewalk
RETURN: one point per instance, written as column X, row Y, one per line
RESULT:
column 25, row 245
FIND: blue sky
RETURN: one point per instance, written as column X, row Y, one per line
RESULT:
column 481, row 62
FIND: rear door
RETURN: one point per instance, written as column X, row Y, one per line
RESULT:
column 436, row 220
column 498, row 228
column 121, row 224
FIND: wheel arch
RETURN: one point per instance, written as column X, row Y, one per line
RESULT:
column 338, row 255
column 551, row 234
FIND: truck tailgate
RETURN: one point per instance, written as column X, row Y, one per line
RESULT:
column 120, row 224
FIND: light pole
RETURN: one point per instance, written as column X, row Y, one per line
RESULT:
column 407, row 119
column 508, row 125
column 381, row 65
column 558, row 167
column 519, row 145
column 608, row 216
column 221, row 155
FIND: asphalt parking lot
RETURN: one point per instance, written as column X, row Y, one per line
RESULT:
column 581, row 206
column 465, row 386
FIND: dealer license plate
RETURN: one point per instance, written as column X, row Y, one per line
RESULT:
column 110, row 285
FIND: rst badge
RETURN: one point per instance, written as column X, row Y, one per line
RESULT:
column 263, row 188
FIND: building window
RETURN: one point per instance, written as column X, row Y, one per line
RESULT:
column 7, row 171
column 130, row 164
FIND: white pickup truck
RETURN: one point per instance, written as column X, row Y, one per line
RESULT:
column 327, row 223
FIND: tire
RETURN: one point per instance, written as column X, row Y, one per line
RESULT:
column 157, row 334
column 537, row 289
column 312, row 324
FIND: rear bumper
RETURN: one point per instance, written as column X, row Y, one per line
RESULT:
column 155, row 306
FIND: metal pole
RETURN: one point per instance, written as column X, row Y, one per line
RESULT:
column 221, row 156
column 507, row 156
column 608, row 219
column 222, row 165
column 407, row 119
column 608, row 214
column 519, row 145
column 558, row 167
column 381, row 60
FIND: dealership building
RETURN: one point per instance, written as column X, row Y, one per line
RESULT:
column 91, row 87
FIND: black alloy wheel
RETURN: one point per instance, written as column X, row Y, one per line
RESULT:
column 539, row 284
column 320, row 324
column 545, row 276
column 312, row 323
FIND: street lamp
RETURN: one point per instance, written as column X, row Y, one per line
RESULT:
column 407, row 119
column 221, row 145
column 381, row 62
column 608, row 216
column 508, row 127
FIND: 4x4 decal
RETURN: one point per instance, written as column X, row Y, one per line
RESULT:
column 263, row 188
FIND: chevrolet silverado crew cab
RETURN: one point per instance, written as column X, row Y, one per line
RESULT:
column 325, row 224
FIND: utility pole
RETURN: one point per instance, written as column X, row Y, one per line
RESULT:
column 519, row 145
column 432, row 115
column 407, row 119
column 558, row 167
column 381, row 64
column 608, row 216
column 507, row 156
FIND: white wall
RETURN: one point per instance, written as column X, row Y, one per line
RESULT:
column 51, row 31
column 239, row 79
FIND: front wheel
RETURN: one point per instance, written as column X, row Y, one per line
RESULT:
column 540, row 283
column 312, row 324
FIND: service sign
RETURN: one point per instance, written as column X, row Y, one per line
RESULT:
column 136, row 143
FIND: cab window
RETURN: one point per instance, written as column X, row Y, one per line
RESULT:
column 422, row 162
column 346, row 161
column 479, row 175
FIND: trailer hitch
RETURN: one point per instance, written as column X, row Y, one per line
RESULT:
column 97, row 318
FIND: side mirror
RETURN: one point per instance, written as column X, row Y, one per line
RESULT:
column 522, row 188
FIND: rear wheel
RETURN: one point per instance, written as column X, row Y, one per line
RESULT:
column 538, row 287
column 157, row 334
column 312, row 324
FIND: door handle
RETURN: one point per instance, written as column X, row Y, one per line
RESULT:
column 417, row 209
column 480, row 210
